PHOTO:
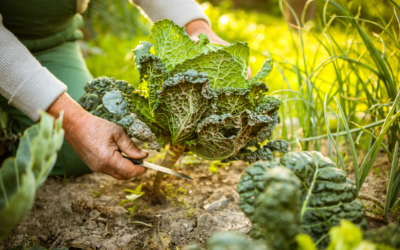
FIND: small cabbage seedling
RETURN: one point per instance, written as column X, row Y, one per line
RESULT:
column 132, row 198
column 192, row 97
column 95, row 193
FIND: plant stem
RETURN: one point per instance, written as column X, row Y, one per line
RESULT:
column 173, row 154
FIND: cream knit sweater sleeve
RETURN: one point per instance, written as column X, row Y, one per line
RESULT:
column 23, row 81
column 180, row 11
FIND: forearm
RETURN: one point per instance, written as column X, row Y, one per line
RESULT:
column 74, row 114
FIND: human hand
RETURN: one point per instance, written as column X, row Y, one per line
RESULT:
column 98, row 142
column 197, row 27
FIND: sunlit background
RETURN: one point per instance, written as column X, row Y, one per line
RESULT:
column 341, row 64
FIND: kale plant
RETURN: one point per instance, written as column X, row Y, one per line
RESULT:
column 194, row 97
column 316, row 197
column 301, row 201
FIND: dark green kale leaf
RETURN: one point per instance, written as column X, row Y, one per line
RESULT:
column 112, row 100
column 327, row 195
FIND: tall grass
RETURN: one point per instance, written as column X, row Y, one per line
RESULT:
column 363, row 85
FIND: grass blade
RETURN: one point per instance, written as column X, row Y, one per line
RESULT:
column 389, row 195
column 353, row 148
column 331, row 140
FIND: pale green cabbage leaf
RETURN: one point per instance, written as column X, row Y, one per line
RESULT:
column 22, row 175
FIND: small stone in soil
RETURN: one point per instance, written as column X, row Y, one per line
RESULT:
column 216, row 204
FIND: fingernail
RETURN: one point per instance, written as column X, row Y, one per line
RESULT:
column 144, row 153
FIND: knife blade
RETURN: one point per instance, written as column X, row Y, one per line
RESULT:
column 159, row 168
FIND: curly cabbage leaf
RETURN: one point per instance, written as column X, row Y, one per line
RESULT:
column 193, row 94
column 221, row 136
column 116, row 101
column 184, row 100
column 22, row 175
column 327, row 195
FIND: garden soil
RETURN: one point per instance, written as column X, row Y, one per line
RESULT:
column 67, row 214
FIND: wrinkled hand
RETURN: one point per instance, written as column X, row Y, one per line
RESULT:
column 98, row 142
column 197, row 27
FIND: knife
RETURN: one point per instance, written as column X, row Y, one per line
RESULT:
column 146, row 164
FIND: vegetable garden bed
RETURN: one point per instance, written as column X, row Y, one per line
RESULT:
column 67, row 214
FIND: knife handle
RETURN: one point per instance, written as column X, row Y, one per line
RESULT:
column 134, row 161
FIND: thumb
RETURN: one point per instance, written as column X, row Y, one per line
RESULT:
column 126, row 145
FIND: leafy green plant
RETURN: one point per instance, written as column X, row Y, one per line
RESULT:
column 385, row 236
column 132, row 198
column 193, row 97
column 303, row 201
column 22, row 175
column 177, row 198
column 215, row 165
column 345, row 236
column 189, row 211
column 95, row 193
column 316, row 197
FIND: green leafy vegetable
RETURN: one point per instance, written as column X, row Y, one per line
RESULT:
column 388, row 235
column 194, row 96
column 112, row 100
column 22, row 175
column 327, row 196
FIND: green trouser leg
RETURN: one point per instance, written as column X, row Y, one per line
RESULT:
column 67, row 64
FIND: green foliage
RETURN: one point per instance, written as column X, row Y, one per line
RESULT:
column 393, row 190
column 387, row 236
column 177, row 199
column 22, row 175
column 112, row 100
column 132, row 198
column 176, row 196
column 277, row 210
column 115, row 16
column 196, row 95
column 95, row 193
column 345, row 236
column 304, row 242
column 215, row 165
column 327, row 196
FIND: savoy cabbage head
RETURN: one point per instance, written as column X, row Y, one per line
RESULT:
column 196, row 95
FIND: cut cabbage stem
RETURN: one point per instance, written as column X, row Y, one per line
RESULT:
column 173, row 154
